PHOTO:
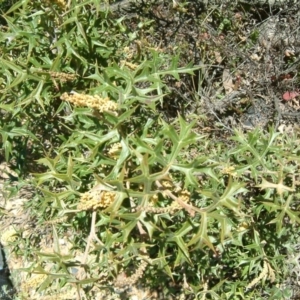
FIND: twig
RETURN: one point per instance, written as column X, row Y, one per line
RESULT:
column 189, row 208
column 92, row 236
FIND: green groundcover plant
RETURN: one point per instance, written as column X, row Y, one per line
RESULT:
column 147, row 208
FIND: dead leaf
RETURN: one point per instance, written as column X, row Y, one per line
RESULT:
column 287, row 96
column 227, row 81
column 243, row 38
column 255, row 57
column 6, row 172
column 218, row 57
column 289, row 53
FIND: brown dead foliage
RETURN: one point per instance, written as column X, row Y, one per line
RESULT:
column 256, row 47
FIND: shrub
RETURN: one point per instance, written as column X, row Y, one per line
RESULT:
column 127, row 202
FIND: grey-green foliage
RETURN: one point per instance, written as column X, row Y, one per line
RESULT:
column 242, row 200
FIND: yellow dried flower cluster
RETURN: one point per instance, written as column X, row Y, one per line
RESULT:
column 33, row 283
column 8, row 236
column 267, row 272
column 230, row 170
column 62, row 77
column 154, row 199
column 184, row 196
column 95, row 199
column 62, row 295
column 60, row 3
column 129, row 65
column 56, row 221
column 129, row 53
column 115, row 150
column 141, row 292
column 167, row 184
column 175, row 206
column 96, row 102
column 156, row 210
column 242, row 226
column 122, row 281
